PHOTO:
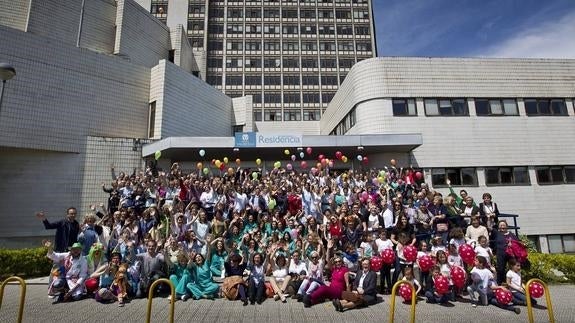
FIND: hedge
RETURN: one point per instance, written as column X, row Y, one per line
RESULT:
column 542, row 265
column 26, row 263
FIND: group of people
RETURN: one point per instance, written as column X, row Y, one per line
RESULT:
column 247, row 235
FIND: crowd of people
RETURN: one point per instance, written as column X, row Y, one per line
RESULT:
column 307, row 235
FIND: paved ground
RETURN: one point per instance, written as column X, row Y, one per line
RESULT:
column 39, row 308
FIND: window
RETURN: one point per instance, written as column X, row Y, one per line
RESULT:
column 272, row 115
column 292, row 79
column 197, row 42
column 272, row 62
column 235, row 45
column 506, row 176
column 216, row 28
column 446, row 107
column 308, row 46
column 215, row 62
column 253, row 62
column 364, row 47
column 292, row 97
column 253, row 13
column 308, row 30
column 256, row 98
column 327, row 96
column 561, row 243
column 325, row 14
column 271, row 29
column 253, row 45
column 545, row 107
column 216, row 45
column 196, row 25
column 311, row 115
column 326, row 30
column 328, row 63
column 555, row 174
column 344, row 30
column 234, row 62
column 292, row 115
column 457, row 176
column 291, row 13
column 290, row 29
column 291, row 46
column 271, row 97
column 342, row 77
column 235, row 28
column 216, row 13
column 309, row 63
column 307, row 14
column 361, row 14
column 271, row 45
column 496, row 107
column 345, row 124
column 362, row 30
column 329, row 80
column 196, row 9
column 235, row 13
column 271, row 13
column 253, row 28
column 346, row 63
column 310, row 97
column 238, row 128
column 234, row 80
column 152, row 120
column 345, row 46
column 253, row 79
column 291, row 62
column 327, row 46
column 404, row 107
column 343, row 14
column 272, row 80
column 214, row 80
column 310, row 80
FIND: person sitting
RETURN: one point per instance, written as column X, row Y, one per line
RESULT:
column 151, row 269
column 70, row 284
column 234, row 285
column 364, row 291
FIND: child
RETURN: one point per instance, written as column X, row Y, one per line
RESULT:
column 437, row 245
column 422, row 252
column 402, row 242
column 367, row 245
column 431, row 294
column 484, row 250
column 445, row 269
column 513, row 279
column 408, row 276
column 382, row 243
column 457, row 237
column 493, row 287
column 453, row 259
column 480, row 277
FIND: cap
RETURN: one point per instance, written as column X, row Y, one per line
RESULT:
column 76, row 245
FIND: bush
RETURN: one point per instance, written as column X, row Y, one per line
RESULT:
column 25, row 263
column 542, row 265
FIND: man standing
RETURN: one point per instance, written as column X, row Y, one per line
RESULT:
column 67, row 229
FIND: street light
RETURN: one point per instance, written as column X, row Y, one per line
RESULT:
column 7, row 72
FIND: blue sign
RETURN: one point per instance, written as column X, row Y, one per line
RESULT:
column 245, row 139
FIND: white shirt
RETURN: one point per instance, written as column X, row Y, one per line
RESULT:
column 363, row 275
column 515, row 280
column 382, row 245
column 297, row 268
column 484, row 252
column 485, row 274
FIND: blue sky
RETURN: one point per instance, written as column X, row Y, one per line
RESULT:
column 468, row 28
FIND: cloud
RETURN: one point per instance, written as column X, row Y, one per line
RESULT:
column 548, row 40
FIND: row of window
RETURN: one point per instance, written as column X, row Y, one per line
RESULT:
column 288, row 115
column 344, row 125
column 255, row 12
column 257, row 62
column 483, row 107
column 288, row 97
column 518, row 175
column 256, row 45
column 277, row 80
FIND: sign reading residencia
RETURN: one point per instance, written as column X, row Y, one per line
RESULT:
column 258, row 139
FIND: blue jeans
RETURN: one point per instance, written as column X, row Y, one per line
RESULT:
column 432, row 298
column 481, row 291
column 521, row 299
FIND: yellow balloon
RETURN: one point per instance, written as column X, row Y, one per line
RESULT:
column 286, row 151
column 226, row 160
column 199, row 165
column 258, row 161
column 218, row 163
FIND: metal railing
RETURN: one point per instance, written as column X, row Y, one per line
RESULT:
column 547, row 299
column 151, row 295
column 515, row 227
column 22, row 284
column 413, row 300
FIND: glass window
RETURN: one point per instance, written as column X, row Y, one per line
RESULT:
column 215, row 62
column 292, row 115
column 570, row 174
column 496, row 107
column 507, row 176
column 311, row 115
column 291, row 79
column 308, row 46
column 291, row 13
column 446, row 107
column 329, row 80
column 510, row 107
column 272, row 80
column 256, row 98
column 309, row 63
column 271, row 45
column 431, row 107
column 272, row 97
column 234, row 80
column 310, row 97
column 457, row 176
column 555, row 244
column 272, row 115
column 404, row 107
column 310, row 80
column 292, row 97
column 569, row 243
column 272, row 62
column 555, row 174
column 306, row 14
column 545, row 107
column 328, row 63
column 291, row 62
column 482, row 107
column 326, row 97
column 216, row 28
column 253, row 79
column 253, row 13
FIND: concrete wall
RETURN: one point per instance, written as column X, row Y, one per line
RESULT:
column 63, row 93
column 300, row 127
column 99, row 26
column 140, row 37
column 183, row 55
column 56, row 19
column 14, row 13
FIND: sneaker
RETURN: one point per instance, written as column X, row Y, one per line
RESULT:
column 276, row 297
column 517, row 310
column 121, row 304
column 473, row 305
column 245, row 301
column 185, row 297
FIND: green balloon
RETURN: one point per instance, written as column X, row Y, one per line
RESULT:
column 272, row 204
column 382, row 173
column 158, row 154
column 255, row 175
column 206, row 170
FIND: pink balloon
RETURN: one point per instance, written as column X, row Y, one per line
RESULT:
column 330, row 164
column 503, row 296
column 458, row 276
column 410, row 253
column 308, row 150
column 388, row 256
column 441, row 285
column 338, row 154
column 303, row 164
column 467, row 253
column 400, row 181
column 289, row 166
column 323, row 162
column 418, row 175
column 293, row 157
column 320, row 157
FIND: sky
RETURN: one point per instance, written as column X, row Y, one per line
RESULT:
column 475, row 28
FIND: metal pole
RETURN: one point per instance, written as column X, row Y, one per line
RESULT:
column 2, row 94
column 81, row 23
column 413, row 301
column 22, row 284
column 547, row 299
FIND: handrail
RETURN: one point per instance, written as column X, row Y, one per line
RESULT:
column 547, row 300
column 413, row 300
column 22, row 284
column 172, row 298
column 514, row 226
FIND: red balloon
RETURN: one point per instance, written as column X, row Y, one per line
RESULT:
column 467, row 253
column 222, row 166
column 365, row 160
column 458, row 276
column 405, row 292
column 376, row 263
column 338, row 154
column 536, row 290
column 503, row 296
column 425, row 263
column 320, row 157
column 308, row 150
column 418, row 175
column 303, row 164
column 388, row 256
column 400, row 181
column 441, row 285
column 91, row 285
column 410, row 253
column 323, row 162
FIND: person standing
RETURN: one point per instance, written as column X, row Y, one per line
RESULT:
column 67, row 229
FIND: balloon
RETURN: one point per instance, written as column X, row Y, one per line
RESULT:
column 458, row 276
column 254, row 175
column 226, row 160
column 467, row 253
column 405, row 292
column 222, row 166
column 359, row 157
column 230, row 171
column 388, row 256
column 425, row 263
column 277, row 164
column 374, row 181
column 536, row 290
column 218, row 163
column 258, row 161
column 92, row 285
column 365, row 160
column 286, row 152
column 320, row 157
column 271, row 204
column 410, row 253
column 301, row 154
column 365, row 195
column 206, row 171
column 238, row 161
column 503, row 296
column 330, row 164
column 213, row 161
column 393, row 162
column 382, row 173
column 202, row 152
column 376, row 263
column 157, row 155
column 303, row 164
column 344, row 159
column 441, row 285
column 314, row 170
column 199, row 165
column 381, row 179
column 308, row 150
column 400, row 181
column 293, row 157
column 289, row 166
column 318, row 165
column 338, row 154
column 418, row 175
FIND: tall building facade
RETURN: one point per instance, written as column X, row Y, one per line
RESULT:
column 290, row 55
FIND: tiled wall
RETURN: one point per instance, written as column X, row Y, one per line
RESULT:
column 14, row 13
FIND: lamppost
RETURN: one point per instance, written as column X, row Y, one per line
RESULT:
column 7, row 72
